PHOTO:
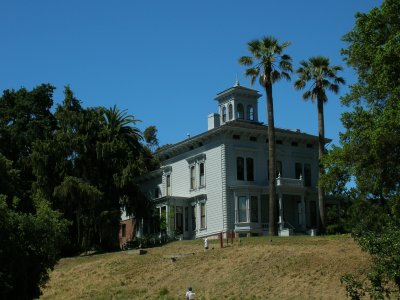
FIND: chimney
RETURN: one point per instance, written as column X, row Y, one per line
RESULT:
column 213, row 121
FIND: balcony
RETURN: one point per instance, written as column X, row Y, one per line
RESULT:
column 289, row 182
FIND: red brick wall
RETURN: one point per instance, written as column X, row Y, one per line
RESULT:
column 129, row 231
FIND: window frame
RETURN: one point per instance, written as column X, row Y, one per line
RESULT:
column 224, row 114
column 242, row 218
column 194, row 219
column 230, row 111
column 250, row 112
column 168, row 188
column 203, row 215
column 240, row 168
column 202, row 175
column 254, row 212
column 249, row 171
column 192, row 176
column 240, row 111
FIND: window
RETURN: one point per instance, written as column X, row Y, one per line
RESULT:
column 240, row 111
column 307, row 174
column 193, row 217
column 242, row 209
column 224, row 114
column 230, row 112
column 313, row 213
column 250, row 113
column 192, row 177
column 298, row 170
column 179, row 220
column 123, row 230
column 163, row 219
column 236, row 137
column 168, row 185
column 202, row 179
column 264, row 208
column 295, row 144
column 279, row 142
column 250, row 169
column 253, row 139
column 202, row 215
column 310, row 146
column 279, row 168
column 253, row 209
column 240, row 168
column 156, row 193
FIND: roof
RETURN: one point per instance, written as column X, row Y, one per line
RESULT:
column 237, row 88
column 230, row 127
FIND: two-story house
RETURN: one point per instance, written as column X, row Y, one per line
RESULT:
column 217, row 181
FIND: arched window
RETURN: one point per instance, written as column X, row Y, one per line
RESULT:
column 240, row 111
column 230, row 112
column 224, row 114
column 250, row 113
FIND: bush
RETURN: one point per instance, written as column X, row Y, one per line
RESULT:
column 334, row 229
column 29, row 248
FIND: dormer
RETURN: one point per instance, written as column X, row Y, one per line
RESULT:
column 238, row 103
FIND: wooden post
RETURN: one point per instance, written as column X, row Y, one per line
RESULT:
column 221, row 240
column 232, row 233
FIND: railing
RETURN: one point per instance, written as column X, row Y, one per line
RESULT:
column 281, row 181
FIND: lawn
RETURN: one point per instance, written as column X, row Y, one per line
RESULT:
column 300, row 267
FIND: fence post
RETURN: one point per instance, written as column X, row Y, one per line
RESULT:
column 221, row 240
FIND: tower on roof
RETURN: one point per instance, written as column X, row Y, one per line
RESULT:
column 238, row 103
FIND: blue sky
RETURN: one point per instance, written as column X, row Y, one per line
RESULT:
column 164, row 61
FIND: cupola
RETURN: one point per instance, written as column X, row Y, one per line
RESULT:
column 238, row 103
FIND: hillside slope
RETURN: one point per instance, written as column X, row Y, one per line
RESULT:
column 254, row 268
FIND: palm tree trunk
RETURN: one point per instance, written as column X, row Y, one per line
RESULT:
column 272, row 163
column 321, row 151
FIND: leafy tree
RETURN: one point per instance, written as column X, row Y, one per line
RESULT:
column 370, row 148
column 25, row 117
column 88, row 170
column 29, row 248
column 322, row 76
column 268, row 63
column 150, row 136
column 29, row 241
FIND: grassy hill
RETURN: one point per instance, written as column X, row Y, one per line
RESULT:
column 298, row 267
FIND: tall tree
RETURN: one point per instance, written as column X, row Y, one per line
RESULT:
column 322, row 77
column 269, row 64
column 370, row 148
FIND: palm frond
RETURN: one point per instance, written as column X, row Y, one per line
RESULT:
column 334, row 88
column 246, row 61
column 307, row 95
column 299, row 84
column 286, row 75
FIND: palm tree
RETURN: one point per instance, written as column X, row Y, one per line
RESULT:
column 322, row 77
column 268, row 64
column 120, row 125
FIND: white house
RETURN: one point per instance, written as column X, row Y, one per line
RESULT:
column 217, row 181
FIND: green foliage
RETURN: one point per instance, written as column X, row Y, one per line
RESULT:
column 29, row 248
column 150, row 136
column 78, row 165
column 370, row 151
column 89, row 167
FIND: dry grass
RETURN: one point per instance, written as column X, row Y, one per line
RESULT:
column 286, row 268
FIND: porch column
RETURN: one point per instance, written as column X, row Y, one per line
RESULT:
column 281, row 222
column 303, row 213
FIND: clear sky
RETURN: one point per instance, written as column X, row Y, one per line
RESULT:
column 164, row 61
